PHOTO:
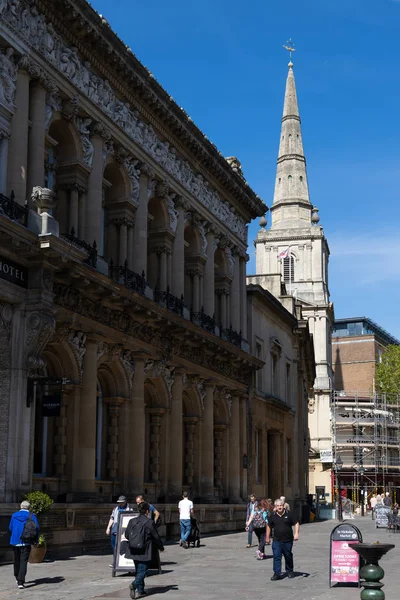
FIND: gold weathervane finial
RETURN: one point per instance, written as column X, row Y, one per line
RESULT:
column 289, row 46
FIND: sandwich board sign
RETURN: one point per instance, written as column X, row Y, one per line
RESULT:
column 344, row 564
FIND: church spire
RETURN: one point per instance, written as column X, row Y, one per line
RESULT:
column 291, row 205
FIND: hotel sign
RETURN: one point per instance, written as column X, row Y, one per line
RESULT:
column 13, row 273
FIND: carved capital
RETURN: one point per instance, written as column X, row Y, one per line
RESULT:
column 70, row 108
column 43, row 198
column 181, row 202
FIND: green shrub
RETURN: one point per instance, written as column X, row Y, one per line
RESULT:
column 39, row 501
column 41, row 541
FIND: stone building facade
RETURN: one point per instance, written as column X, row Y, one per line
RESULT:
column 125, row 365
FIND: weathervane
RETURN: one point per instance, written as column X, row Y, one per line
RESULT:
column 290, row 47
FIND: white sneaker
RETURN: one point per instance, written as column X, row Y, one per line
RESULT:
column 21, row 586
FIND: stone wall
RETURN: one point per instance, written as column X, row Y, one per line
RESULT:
column 78, row 528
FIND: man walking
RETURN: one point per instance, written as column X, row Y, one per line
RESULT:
column 112, row 527
column 185, row 513
column 282, row 523
column 141, row 534
column 250, row 509
column 153, row 512
column 24, row 528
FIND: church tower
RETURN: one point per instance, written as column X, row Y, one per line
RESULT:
column 292, row 263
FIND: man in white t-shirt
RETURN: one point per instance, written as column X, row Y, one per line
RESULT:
column 185, row 513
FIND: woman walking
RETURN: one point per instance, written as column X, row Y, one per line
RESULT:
column 259, row 520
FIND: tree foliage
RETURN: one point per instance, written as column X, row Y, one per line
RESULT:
column 388, row 373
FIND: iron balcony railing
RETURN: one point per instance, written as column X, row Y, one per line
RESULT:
column 127, row 278
column 232, row 336
column 170, row 301
column 91, row 260
column 13, row 210
column 204, row 321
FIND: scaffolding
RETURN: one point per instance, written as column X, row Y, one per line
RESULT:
column 366, row 436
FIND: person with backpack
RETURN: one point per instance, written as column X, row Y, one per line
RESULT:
column 24, row 529
column 259, row 520
column 141, row 534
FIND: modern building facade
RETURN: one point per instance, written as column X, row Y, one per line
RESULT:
column 292, row 258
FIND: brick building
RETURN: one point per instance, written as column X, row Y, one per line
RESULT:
column 357, row 344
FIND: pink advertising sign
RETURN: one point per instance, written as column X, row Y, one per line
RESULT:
column 344, row 562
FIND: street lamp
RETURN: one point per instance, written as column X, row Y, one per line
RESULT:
column 361, row 470
column 338, row 468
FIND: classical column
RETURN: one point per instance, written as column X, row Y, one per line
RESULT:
column 207, row 444
column 3, row 162
column 123, row 241
column 234, row 451
column 18, row 144
column 218, row 456
column 155, row 424
column 60, row 439
column 175, row 437
column 189, row 451
column 163, row 276
column 209, row 276
column 114, row 408
column 130, row 244
column 243, row 447
column 36, row 147
column 196, row 291
column 224, row 299
column 86, row 456
column 94, row 213
column 140, row 234
column 81, row 215
column 73, row 209
column 235, row 295
column 138, row 426
column 178, row 251
column 243, row 297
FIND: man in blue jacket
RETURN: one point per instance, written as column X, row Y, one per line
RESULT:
column 21, row 548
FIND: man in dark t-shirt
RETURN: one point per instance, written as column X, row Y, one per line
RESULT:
column 282, row 523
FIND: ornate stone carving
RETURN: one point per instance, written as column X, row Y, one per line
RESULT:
column 133, row 172
column 158, row 368
column 83, row 125
column 172, row 212
column 47, row 279
column 77, row 341
column 6, row 313
column 8, row 77
column 108, row 149
column 43, row 198
column 235, row 165
column 231, row 261
column 202, row 230
column 40, row 327
column 43, row 37
column 53, row 104
column 102, row 349
column 128, row 363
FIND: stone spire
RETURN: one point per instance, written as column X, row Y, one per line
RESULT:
column 291, row 206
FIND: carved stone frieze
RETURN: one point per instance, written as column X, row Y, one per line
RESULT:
column 73, row 300
column 8, row 78
column 44, row 39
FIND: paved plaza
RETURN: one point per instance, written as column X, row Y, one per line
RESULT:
column 222, row 568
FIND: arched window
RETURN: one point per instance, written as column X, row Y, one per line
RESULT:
column 288, row 268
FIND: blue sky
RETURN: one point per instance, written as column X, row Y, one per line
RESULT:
column 223, row 61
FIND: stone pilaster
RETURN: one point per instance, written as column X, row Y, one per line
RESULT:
column 18, row 144
column 36, row 146
column 114, row 408
column 235, row 294
column 178, row 251
column 189, row 452
column 234, row 451
column 86, row 456
column 60, row 439
column 209, row 275
column 140, row 233
column 207, row 444
column 138, row 425
column 93, row 216
column 154, row 463
column 175, row 438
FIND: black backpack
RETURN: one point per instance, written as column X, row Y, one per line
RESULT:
column 137, row 536
column 29, row 533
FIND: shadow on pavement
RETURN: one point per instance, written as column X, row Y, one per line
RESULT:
column 45, row 581
column 161, row 589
